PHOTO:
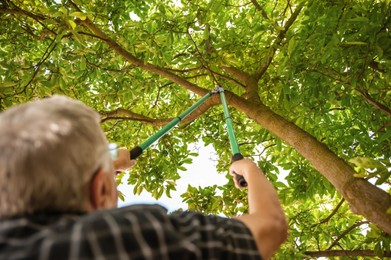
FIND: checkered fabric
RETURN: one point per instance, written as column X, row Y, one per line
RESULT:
column 134, row 232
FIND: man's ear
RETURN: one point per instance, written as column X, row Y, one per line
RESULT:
column 99, row 191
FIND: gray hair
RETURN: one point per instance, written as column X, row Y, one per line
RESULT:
column 49, row 150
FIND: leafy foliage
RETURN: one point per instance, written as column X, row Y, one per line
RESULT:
column 323, row 65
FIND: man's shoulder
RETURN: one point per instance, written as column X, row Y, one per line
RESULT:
column 129, row 213
column 135, row 209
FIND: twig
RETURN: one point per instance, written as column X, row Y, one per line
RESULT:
column 45, row 56
column 259, row 8
column 202, row 60
column 109, row 69
column 357, row 224
column 266, row 63
column 335, row 210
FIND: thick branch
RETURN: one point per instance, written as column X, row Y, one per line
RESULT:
column 237, row 73
column 332, row 253
column 250, row 83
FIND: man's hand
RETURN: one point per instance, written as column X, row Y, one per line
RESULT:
column 243, row 167
column 266, row 219
column 123, row 162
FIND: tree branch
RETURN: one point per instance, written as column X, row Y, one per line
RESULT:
column 124, row 114
column 259, row 8
column 370, row 100
column 18, row 11
column 108, row 69
column 250, row 83
column 364, row 94
column 134, row 60
column 267, row 61
column 237, row 73
column 335, row 210
column 357, row 224
column 202, row 60
column 45, row 56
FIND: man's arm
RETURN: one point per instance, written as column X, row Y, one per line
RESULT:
column 266, row 219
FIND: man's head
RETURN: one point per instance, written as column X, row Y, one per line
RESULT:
column 53, row 157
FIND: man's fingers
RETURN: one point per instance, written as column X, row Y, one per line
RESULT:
column 123, row 162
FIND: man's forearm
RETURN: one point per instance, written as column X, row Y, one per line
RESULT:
column 266, row 219
column 262, row 197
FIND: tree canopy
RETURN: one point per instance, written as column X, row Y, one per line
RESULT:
column 308, row 84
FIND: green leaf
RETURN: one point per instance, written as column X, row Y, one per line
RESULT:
column 7, row 84
column 80, row 15
column 72, row 24
column 365, row 162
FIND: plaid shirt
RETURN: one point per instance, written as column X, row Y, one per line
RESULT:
column 135, row 232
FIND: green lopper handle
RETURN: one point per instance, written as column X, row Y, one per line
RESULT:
column 236, row 155
column 137, row 151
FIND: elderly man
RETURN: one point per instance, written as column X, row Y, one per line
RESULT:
column 58, row 198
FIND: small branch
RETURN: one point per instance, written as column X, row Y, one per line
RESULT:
column 351, row 253
column 108, row 69
column 376, row 104
column 202, row 60
column 364, row 94
column 335, row 210
column 229, row 79
column 158, row 94
column 357, row 224
column 124, row 114
column 266, row 147
column 134, row 60
column 19, row 11
column 259, row 8
column 266, row 63
column 45, row 56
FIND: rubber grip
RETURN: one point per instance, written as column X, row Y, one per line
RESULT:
column 135, row 152
column 237, row 157
column 239, row 178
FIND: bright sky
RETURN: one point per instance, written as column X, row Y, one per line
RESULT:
column 202, row 172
